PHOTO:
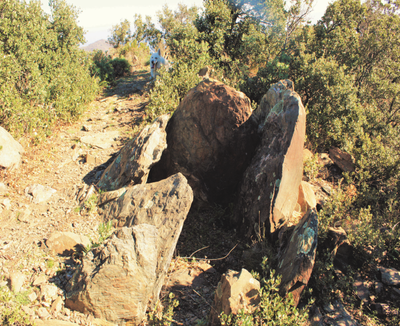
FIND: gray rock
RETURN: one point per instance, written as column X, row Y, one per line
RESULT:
column 390, row 276
column 115, row 280
column 337, row 315
column 48, row 293
column 10, row 150
column 136, row 158
column 38, row 193
column 270, row 186
column 361, row 289
column 3, row 188
column 164, row 204
column 24, row 216
column 16, row 281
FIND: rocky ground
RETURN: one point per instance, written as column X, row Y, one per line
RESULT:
column 69, row 162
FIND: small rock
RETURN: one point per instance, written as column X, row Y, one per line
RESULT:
column 24, row 215
column 394, row 294
column 6, row 203
column 90, row 159
column 15, row 281
column 48, row 293
column 378, row 287
column 235, row 291
column 39, row 193
column 65, row 243
column 43, row 313
column 336, row 314
column 41, row 279
column 390, row 276
column 57, row 305
column 361, row 290
column 307, row 155
column 32, row 296
column 3, row 188
column 10, row 150
column 327, row 189
column 382, row 309
column 28, row 311
column 86, row 128
column 342, row 159
column 324, row 159
column 102, row 140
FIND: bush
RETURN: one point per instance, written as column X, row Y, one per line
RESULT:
column 120, row 66
column 188, row 57
column 102, row 67
column 45, row 76
column 273, row 309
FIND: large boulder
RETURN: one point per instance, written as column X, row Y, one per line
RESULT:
column 210, row 140
column 297, row 259
column 115, row 280
column 270, row 186
column 10, row 150
column 136, row 158
column 164, row 204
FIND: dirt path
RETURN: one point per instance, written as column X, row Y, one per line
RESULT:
column 69, row 161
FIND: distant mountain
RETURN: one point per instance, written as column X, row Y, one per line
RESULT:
column 98, row 45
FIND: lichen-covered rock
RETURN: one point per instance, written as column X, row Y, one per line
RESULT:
column 164, row 204
column 236, row 291
column 270, row 186
column 297, row 259
column 133, row 164
column 115, row 281
column 210, row 141
column 270, row 99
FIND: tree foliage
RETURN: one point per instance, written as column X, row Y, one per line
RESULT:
column 44, row 75
column 120, row 34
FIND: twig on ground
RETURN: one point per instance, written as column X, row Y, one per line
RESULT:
column 208, row 259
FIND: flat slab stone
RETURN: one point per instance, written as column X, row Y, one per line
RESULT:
column 101, row 140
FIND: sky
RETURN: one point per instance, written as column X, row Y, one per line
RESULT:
column 98, row 16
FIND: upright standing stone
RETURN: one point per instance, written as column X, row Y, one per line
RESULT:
column 270, row 185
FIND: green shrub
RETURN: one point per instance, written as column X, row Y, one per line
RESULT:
column 10, row 308
column 102, row 67
column 163, row 313
column 120, row 66
column 273, row 309
column 188, row 57
column 45, row 77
